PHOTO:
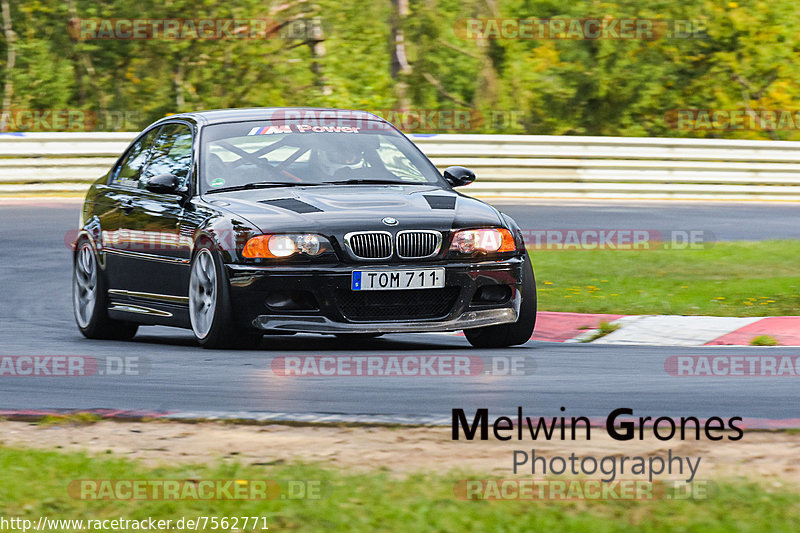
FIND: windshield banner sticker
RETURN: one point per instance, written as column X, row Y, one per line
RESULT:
column 301, row 128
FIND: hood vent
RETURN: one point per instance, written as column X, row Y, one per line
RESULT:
column 292, row 204
column 441, row 202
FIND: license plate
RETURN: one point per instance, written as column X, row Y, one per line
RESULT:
column 384, row 280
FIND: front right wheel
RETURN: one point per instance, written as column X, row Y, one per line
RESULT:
column 210, row 312
column 512, row 334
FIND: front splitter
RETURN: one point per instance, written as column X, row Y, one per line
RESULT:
column 321, row 324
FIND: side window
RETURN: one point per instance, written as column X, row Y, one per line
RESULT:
column 171, row 154
column 127, row 172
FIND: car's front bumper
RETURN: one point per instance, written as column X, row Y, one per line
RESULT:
column 306, row 324
column 250, row 286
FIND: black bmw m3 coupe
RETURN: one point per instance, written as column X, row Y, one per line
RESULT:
column 237, row 223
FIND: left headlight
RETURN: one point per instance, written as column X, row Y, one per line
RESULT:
column 285, row 245
column 484, row 240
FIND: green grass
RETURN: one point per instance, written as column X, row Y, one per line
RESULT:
column 34, row 483
column 72, row 419
column 764, row 340
column 603, row 328
column 729, row 279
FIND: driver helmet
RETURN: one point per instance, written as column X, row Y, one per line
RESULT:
column 335, row 157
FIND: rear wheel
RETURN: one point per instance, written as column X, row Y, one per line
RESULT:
column 90, row 298
column 518, row 332
column 210, row 310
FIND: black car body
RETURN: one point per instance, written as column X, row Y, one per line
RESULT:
column 204, row 188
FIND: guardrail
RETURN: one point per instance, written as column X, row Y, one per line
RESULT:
column 506, row 165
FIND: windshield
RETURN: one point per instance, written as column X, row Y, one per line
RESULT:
column 273, row 154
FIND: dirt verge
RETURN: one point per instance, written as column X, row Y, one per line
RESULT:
column 772, row 457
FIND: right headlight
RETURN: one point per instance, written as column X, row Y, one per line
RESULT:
column 484, row 240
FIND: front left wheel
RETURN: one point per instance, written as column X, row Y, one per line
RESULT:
column 515, row 333
column 90, row 298
column 210, row 311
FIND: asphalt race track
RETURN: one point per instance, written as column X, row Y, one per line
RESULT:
column 177, row 375
column 743, row 221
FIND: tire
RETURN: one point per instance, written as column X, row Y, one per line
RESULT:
column 519, row 332
column 90, row 298
column 210, row 311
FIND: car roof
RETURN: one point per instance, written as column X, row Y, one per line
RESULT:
column 220, row 116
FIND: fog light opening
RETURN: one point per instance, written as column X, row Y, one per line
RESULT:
column 492, row 294
column 291, row 301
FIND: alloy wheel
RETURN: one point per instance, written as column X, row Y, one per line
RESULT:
column 84, row 290
column 202, row 293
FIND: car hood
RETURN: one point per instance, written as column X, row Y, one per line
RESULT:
column 339, row 209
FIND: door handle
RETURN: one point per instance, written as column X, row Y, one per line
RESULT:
column 127, row 206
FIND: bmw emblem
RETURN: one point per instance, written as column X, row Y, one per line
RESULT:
column 389, row 221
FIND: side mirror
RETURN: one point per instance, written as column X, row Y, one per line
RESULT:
column 459, row 176
column 163, row 184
